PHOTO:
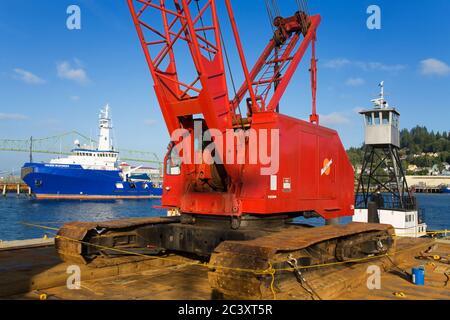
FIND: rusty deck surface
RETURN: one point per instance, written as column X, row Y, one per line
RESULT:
column 28, row 273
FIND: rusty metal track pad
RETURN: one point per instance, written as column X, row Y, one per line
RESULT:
column 72, row 237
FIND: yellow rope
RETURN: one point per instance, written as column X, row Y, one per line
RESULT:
column 271, row 271
column 39, row 226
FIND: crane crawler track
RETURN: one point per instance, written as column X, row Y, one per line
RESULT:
column 254, row 269
column 81, row 242
column 243, row 264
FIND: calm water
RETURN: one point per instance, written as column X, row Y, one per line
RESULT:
column 54, row 213
column 15, row 211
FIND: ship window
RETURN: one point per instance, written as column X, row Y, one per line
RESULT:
column 369, row 119
column 385, row 116
column 377, row 118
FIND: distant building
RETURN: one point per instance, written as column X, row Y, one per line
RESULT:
column 434, row 171
column 446, row 166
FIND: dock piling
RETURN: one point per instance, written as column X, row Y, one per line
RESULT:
column 4, row 190
column 18, row 189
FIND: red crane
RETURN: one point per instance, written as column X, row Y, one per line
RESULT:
column 192, row 28
column 239, row 208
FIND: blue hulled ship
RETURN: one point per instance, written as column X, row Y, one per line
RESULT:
column 90, row 173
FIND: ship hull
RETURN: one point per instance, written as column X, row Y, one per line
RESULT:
column 51, row 181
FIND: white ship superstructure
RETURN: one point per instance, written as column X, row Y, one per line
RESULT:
column 102, row 158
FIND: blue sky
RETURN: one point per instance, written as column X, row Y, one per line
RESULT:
column 54, row 80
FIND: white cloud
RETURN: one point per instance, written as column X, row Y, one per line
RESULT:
column 337, row 63
column 74, row 98
column 355, row 82
column 378, row 66
column 27, row 76
column 433, row 66
column 366, row 66
column 12, row 116
column 74, row 73
column 334, row 118
column 150, row 122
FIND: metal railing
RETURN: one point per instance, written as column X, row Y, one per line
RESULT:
column 387, row 201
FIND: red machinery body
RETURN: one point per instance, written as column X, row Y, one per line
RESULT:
column 314, row 173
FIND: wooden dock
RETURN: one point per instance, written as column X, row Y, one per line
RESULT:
column 425, row 189
column 36, row 273
column 17, row 188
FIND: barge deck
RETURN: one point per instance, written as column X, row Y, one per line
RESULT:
column 34, row 271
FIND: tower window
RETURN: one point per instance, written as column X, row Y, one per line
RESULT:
column 385, row 118
column 395, row 120
column 377, row 118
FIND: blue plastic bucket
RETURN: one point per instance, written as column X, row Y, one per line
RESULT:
column 418, row 276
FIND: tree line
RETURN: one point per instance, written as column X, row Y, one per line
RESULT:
column 414, row 144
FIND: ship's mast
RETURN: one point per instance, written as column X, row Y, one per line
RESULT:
column 105, row 125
